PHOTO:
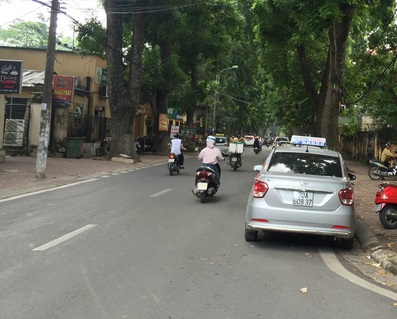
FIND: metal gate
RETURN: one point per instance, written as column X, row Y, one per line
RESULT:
column 16, row 127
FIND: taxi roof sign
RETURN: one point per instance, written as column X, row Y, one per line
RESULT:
column 308, row 140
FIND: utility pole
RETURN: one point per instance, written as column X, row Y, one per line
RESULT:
column 46, row 106
column 216, row 95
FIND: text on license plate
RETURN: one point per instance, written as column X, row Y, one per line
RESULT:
column 303, row 198
column 234, row 159
column 202, row 186
column 171, row 160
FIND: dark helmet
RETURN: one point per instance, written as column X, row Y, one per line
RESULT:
column 177, row 135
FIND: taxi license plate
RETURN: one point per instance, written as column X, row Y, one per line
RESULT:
column 202, row 186
column 303, row 199
column 378, row 208
column 171, row 160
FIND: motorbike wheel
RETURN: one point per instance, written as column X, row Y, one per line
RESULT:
column 385, row 219
column 171, row 169
column 235, row 168
column 100, row 151
column 203, row 197
column 374, row 173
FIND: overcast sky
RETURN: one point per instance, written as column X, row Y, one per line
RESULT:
column 27, row 10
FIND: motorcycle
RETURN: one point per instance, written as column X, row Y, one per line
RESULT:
column 103, row 148
column 257, row 150
column 378, row 169
column 386, row 204
column 145, row 144
column 205, row 183
column 235, row 160
column 173, row 165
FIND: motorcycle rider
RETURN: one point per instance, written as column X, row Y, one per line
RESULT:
column 176, row 148
column 257, row 143
column 387, row 155
column 210, row 156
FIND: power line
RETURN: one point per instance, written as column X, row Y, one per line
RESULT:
column 376, row 81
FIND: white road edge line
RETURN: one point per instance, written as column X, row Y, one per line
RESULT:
column 162, row 192
column 47, row 190
column 64, row 238
column 333, row 263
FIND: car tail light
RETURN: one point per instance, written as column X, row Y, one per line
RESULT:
column 260, row 220
column 340, row 227
column 346, row 196
column 260, row 189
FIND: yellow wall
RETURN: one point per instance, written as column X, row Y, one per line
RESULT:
column 66, row 64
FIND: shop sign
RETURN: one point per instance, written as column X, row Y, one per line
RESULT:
column 174, row 130
column 63, row 89
column 163, row 122
column 10, row 76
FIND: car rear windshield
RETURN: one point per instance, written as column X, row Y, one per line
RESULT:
column 220, row 140
column 305, row 163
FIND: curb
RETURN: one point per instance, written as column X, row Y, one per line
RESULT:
column 369, row 242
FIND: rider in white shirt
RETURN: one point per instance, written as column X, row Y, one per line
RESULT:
column 176, row 148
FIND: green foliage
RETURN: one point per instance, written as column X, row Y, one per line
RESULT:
column 92, row 38
column 29, row 34
column 25, row 34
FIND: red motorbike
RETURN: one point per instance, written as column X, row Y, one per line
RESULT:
column 386, row 204
column 205, row 182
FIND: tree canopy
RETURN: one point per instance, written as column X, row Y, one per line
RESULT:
column 301, row 65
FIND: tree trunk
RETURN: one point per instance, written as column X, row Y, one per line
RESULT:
column 137, row 45
column 326, row 103
column 163, row 94
column 338, row 37
column 123, row 103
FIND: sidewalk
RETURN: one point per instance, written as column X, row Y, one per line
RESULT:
column 17, row 176
column 380, row 243
column 17, row 173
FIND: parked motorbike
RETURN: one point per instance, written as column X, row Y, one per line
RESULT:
column 103, row 148
column 386, row 204
column 173, row 164
column 378, row 169
column 145, row 144
column 205, row 183
column 235, row 160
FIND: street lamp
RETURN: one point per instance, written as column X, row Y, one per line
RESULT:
column 216, row 96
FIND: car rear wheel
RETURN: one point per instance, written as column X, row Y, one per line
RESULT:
column 251, row 235
column 346, row 243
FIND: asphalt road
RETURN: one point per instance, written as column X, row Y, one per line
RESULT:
column 140, row 245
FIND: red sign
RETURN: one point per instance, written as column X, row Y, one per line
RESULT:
column 63, row 89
